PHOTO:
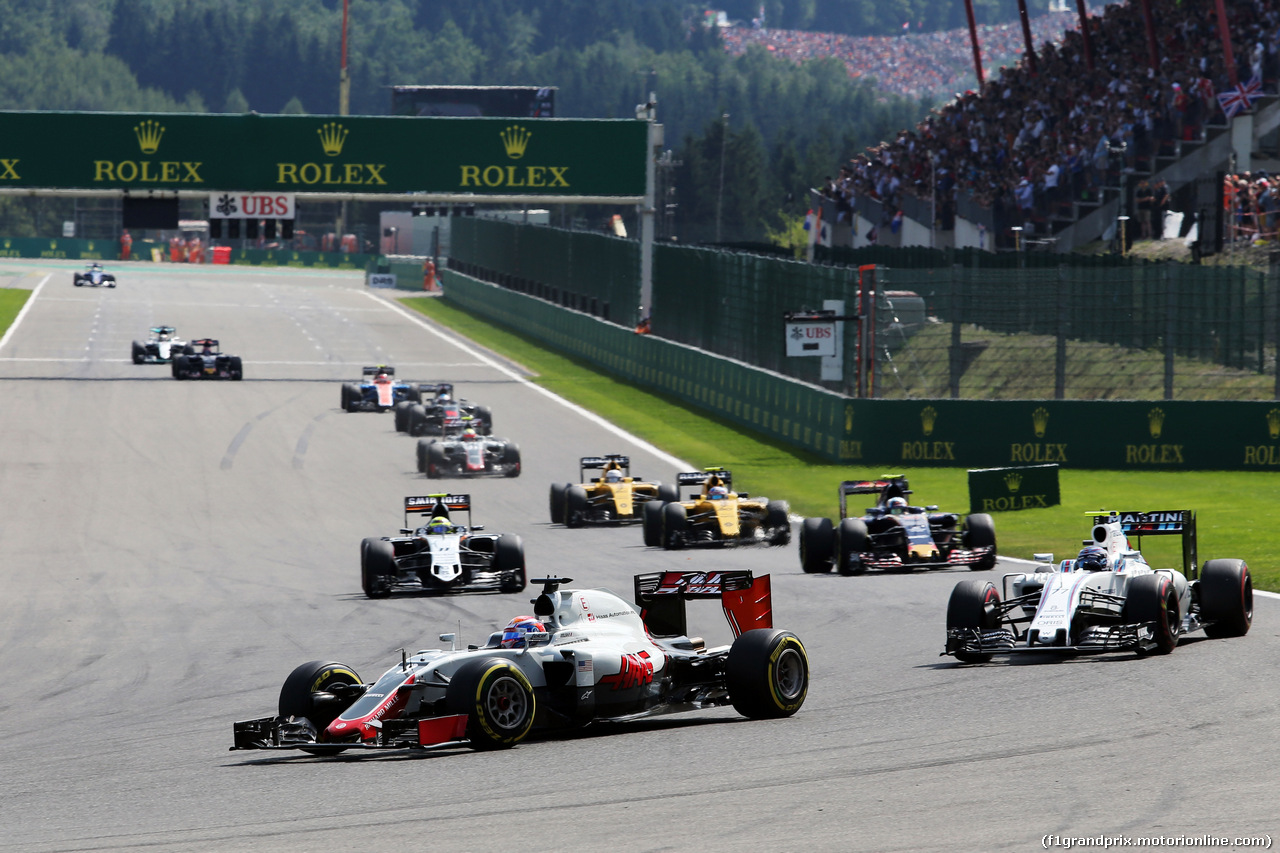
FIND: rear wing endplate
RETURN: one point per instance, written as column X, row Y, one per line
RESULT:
column 747, row 600
column 1169, row 522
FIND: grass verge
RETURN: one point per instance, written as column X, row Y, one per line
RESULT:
column 1233, row 507
column 11, row 301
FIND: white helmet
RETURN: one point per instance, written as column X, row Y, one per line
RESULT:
column 897, row 506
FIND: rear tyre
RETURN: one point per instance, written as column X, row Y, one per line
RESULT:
column 651, row 523
column 235, row 368
column 348, row 392
column 179, row 365
column 556, row 502
column 435, row 460
column 668, row 493
column 777, row 522
column 497, row 699
column 980, row 532
column 1152, row 600
column 508, row 558
column 816, row 541
column 485, row 417
column 575, row 506
column 400, row 413
column 424, row 447
column 767, row 673
column 674, row 522
column 309, row 693
column 1226, row 598
column 969, row 608
column 851, row 543
column 377, row 567
column 511, row 460
column 139, row 352
column 417, row 420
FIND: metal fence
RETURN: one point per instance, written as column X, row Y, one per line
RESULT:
column 963, row 325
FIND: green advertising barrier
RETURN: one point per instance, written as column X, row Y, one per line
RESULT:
column 67, row 248
column 290, row 258
column 343, row 154
column 1006, row 489
column 1107, row 435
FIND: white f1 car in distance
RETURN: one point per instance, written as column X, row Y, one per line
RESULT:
column 1107, row 599
column 585, row 655
column 94, row 276
column 161, row 348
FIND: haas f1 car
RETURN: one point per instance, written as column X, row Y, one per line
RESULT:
column 161, row 348
column 441, row 555
column 1107, row 599
column 583, row 655
column 94, row 276
column 202, row 360
column 377, row 391
column 893, row 535
column 715, row 515
column 468, row 455
column 438, row 412
column 614, row 497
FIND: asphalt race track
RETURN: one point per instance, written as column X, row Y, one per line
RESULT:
column 171, row 550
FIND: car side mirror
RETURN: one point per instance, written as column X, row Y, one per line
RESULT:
column 477, row 527
column 406, row 531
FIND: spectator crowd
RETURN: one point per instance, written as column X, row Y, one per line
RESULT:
column 1029, row 140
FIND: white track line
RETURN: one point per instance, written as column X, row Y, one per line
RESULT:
column 418, row 320
column 31, row 300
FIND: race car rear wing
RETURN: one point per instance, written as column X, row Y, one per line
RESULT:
column 888, row 486
column 438, row 388
column 437, row 504
column 1176, row 522
column 374, row 370
column 747, row 601
column 599, row 463
column 697, row 478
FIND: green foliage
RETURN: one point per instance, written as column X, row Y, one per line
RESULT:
column 790, row 234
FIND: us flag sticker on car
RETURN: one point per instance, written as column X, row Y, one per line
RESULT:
column 585, row 666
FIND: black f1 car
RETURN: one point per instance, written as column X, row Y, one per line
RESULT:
column 94, row 276
column 894, row 535
column 378, row 391
column 583, row 655
column 440, row 555
column 202, row 360
column 438, row 412
column 615, row 497
column 468, row 455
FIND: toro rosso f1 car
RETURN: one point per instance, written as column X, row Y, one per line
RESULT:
column 202, row 360
column 161, row 348
column 439, row 413
column 440, row 555
column 94, row 276
column 715, row 515
column 1105, row 600
column 378, row 391
column 893, row 535
column 584, row 655
column 615, row 497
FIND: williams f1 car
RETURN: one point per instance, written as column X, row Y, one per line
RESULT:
column 438, row 412
column 1105, row 600
column 378, row 391
column 202, row 360
column 468, row 455
column 614, row 497
column 440, row 555
column 715, row 515
column 94, row 276
column 584, row 655
column 894, row 535
column 161, row 348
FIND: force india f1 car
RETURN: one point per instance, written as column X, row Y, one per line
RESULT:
column 716, row 515
column 595, row 657
column 895, row 536
column 377, row 391
column 161, row 348
column 441, row 556
column 615, row 497
column 206, row 362
column 94, row 276
column 439, row 413
column 468, row 455
column 1107, row 599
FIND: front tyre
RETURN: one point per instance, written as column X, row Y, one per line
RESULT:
column 777, row 522
column 651, row 523
column 508, row 558
column 377, row 567
column 972, row 608
column 1226, row 598
column 980, row 532
column 497, row 699
column 674, row 522
column 575, row 506
column 816, row 540
column 767, row 673
column 309, row 692
column 139, row 352
column 235, row 368
column 1152, row 601
column 852, row 541
column 556, row 502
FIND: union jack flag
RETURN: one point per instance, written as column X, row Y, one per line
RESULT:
column 1236, row 100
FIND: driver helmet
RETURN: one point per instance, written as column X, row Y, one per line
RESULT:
column 613, row 475
column 439, row 524
column 897, row 506
column 207, row 350
column 444, row 397
column 513, row 636
column 469, row 434
column 717, row 493
column 1092, row 558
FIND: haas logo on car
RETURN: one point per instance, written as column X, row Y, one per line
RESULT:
column 637, row 671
